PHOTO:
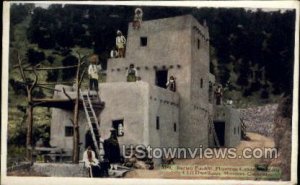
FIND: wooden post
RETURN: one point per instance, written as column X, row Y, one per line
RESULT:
column 75, row 118
column 76, row 136
column 29, row 89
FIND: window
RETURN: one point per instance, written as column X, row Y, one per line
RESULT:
column 201, row 83
column 68, row 131
column 198, row 43
column 161, row 78
column 143, row 41
column 118, row 125
column 175, row 127
column 157, row 122
column 210, row 92
column 234, row 130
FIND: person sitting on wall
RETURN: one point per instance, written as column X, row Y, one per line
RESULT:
column 93, row 72
column 114, row 53
column 132, row 74
column 120, row 43
column 91, row 162
column 137, row 19
column 112, row 149
column 171, row 84
column 218, row 95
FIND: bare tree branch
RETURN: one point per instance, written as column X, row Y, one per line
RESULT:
column 81, row 77
column 64, row 91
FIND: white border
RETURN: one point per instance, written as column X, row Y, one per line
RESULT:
column 214, row 4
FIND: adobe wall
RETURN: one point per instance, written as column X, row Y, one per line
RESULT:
column 60, row 118
column 163, row 104
column 196, row 110
column 127, row 101
column 139, row 103
column 232, row 124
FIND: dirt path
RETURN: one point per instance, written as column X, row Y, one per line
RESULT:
column 257, row 141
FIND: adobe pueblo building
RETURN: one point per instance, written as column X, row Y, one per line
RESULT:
column 147, row 113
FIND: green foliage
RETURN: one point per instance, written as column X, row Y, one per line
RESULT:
column 52, row 76
column 18, row 87
column 35, row 57
column 38, row 93
column 50, row 59
column 70, row 72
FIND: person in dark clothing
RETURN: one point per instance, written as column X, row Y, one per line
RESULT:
column 219, row 95
column 112, row 149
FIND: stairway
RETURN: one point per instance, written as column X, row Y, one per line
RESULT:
column 93, row 122
column 213, row 130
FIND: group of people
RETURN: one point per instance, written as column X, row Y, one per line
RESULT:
column 119, row 50
column 111, row 158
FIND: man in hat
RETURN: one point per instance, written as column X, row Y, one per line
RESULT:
column 131, row 73
column 112, row 149
column 120, row 43
column 93, row 72
column 137, row 19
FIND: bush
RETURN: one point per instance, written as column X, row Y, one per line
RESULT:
column 35, row 57
column 247, row 92
column 38, row 93
column 69, row 73
column 52, row 76
column 50, row 59
column 264, row 94
column 18, row 87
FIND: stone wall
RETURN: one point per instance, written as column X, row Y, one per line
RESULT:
column 60, row 170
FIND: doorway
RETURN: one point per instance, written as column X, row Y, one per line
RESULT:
column 89, row 140
column 220, row 131
column 161, row 78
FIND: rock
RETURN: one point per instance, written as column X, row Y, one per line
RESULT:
column 141, row 165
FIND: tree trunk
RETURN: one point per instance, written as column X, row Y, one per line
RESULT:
column 29, row 129
column 75, row 120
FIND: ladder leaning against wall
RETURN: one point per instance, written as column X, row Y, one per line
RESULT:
column 92, row 121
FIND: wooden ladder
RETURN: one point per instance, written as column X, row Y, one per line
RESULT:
column 93, row 123
column 213, row 130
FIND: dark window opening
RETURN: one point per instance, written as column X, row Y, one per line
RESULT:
column 175, row 127
column 118, row 125
column 143, row 41
column 161, row 78
column 210, row 92
column 220, row 131
column 89, row 140
column 68, row 131
column 201, row 83
column 234, row 130
column 198, row 43
column 157, row 123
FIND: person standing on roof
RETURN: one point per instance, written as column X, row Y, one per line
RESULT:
column 171, row 84
column 131, row 73
column 120, row 43
column 93, row 72
column 137, row 19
